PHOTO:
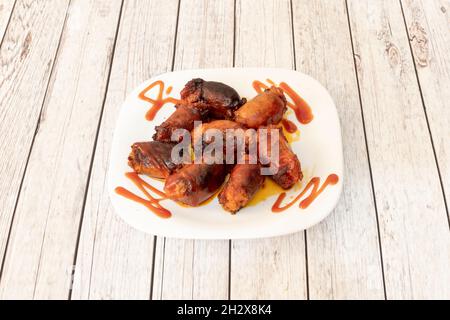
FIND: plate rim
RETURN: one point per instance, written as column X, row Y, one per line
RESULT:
column 291, row 228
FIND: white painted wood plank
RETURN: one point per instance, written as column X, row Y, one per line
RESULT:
column 413, row 221
column 343, row 251
column 26, row 59
column 188, row 269
column 6, row 8
column 273, row 268
column 428, row 25
column 115, row 261
column 46, row 224
column 191, row 269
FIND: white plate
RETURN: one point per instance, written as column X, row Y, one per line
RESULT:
column 319, row 150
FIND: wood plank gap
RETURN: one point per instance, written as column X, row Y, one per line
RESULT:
column 95, row 144
column 293, row 52
column 175, row 37
column 306, row 264
column 229, row 269
column 92, row 261
column 426, row 114
column 234, row 44
column 234, row 65
column 7, row 24
column 367, row 149
column 152, row 276
column 34, row 136
column 291, row 7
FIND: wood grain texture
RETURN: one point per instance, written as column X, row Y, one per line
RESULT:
column 26, row 59
column 45, row 229
column 6, row 8
column 273, row 268
column 55, row 73
column 115, row 261
column 343, row 251
column 413, row 221
column 197, row 269
column 428, row 24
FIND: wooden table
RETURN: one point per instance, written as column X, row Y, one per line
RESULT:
column 66, row 67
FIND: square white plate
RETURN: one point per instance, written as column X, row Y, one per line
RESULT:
column 319, row 149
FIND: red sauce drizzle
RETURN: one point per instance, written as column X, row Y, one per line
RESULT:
column 259, row 86
column 300, row 107
column 269, row 81
column 151, row 203
column 332, row 179
column 159, row 102
column 289, row 126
